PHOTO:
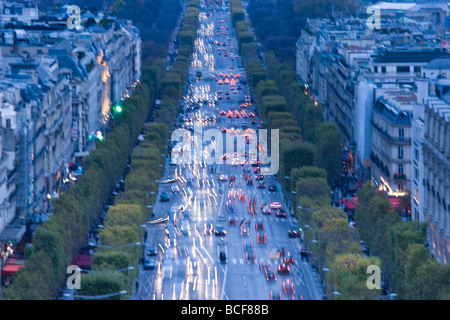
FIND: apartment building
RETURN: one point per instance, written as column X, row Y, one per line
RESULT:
column 392, row 115
column 436, row 184
column 57, row 86
column 380, row 87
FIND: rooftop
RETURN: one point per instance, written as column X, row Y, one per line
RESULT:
column 410, row 55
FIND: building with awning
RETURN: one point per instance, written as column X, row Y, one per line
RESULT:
column 10, row 270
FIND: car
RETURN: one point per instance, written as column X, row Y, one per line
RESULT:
column 270, row 275
column 295, row 231
column 266, row 210
column 208, row 227
column 275, row 295
column 257, row 170
column 280, row 213
column 232, row 221
column 275, row 205
column 171, row 233
column 222, row 177
column 152, row 251
column 220, row 231
column 274, row 254
column 248, row 245
column 250, row 181
column 242, row 196
column 272, row 187
column 250, row 256
column 259, row 225
column 245, row 230
column 288, row 288
column 261, row 184
column 164, row 196
column 288, row 259
column 281, row 251
column 185, row 228
column 230, row 207
column 283, row 268
column 260, row 177
column 149, row 264
column 304, row 253
column 261, row 237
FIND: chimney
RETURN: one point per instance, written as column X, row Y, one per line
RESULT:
column 422, row 89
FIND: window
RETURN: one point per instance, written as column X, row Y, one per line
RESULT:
column 403, row 69
column 416, row 69
column 416, row 173
column 375, row 69
column 400, row 169
column 401, row 134
column 8, row 123
column 416, row 154
column 383, row 69
column 400, row 152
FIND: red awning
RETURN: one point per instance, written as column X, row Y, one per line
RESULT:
column 11, row 269
column 84, row 261
column 395, row 202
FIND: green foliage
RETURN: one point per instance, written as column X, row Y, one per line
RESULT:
column 373, row 212
column 314, row 188
column 35, row 281
column 349, row 277
column 273, row 103
column 102, row 283
column 425, row 278
column 308, row 172
column 297, row 155
column 111, row 260
column 123, row 214
column 328, row 142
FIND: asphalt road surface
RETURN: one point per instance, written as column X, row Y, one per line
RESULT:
column 187, row 263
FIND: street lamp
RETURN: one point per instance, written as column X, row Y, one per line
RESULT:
column 118, row 247
column 335, row 292
column 104, row 296
column 118, row 270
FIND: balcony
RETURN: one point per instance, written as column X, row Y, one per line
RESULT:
column 398, row 176
column 388, row 137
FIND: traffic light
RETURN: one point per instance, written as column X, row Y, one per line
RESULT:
column 118, row 109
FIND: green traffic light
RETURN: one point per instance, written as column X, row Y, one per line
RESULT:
column 118, row 109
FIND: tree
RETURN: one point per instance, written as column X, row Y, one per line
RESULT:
column 427, row 279
column 297, row 155
column 316, row 189
column 328, row 142
column 374, row 217
column 334, row 237
column 402, row 236
column 102, row 283
column 349, row 277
